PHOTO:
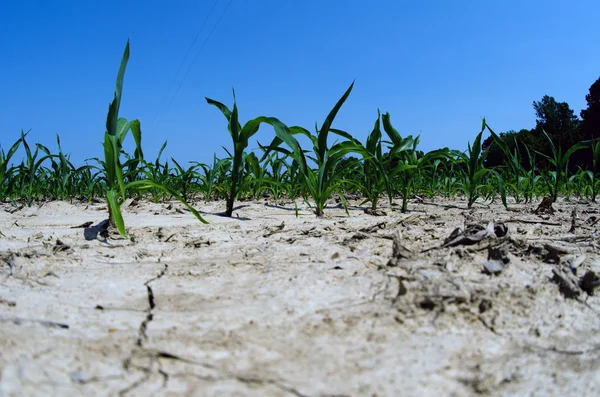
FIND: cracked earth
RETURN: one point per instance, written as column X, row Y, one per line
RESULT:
column 270, row 304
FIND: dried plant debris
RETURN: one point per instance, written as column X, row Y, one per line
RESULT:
column 572, row 286
column 274, row 230
column 375, row 212
column 415, row 291
column 198, row 243
column 573, row 221
column 568, row 283
column 373, row 228
column 545, row 207
column 399, row 251
column 474, row 233
column 497, row 259
column 499, row 253
column 9, row 260
column 553, row 253
column 59, row 246
column 355, row 237
column 411, row 219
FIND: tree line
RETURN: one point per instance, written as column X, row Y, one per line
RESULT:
column 563, row 127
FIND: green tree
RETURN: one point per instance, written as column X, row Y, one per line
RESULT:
column 558, row 120
column 590, row 125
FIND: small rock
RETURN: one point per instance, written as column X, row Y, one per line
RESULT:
column 493, row 267
column 499, row 254
column 485, row 305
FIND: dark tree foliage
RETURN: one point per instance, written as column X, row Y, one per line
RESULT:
column 520, row 139
column 590, row 124
column 557, row 119
column 560, row 123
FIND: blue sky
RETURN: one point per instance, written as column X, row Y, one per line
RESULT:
column 436, row 66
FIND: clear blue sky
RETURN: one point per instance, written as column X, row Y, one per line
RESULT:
column 436, row 66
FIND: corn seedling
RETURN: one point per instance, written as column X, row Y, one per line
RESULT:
column 472, row 177
column 407, row 162
column 595, row 167
column 240, row 136
column 6, row 172
column 322, row 182
column 557, row 178
column 385, row 166
column 116, row 132
column 374, row 182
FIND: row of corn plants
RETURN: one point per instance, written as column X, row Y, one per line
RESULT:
column 385, row 168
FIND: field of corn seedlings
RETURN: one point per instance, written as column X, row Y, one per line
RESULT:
column 316, row 265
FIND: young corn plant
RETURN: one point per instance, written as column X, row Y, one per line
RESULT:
column 257, row 180
column 185, row 181
column 116, row 132
column 514, row 164
column 158, row 173
column 434, row 178
column 595, row 167
column 276, row 174
column 532, row 178
column 374, row 182
column 212, row 177
column 579, row 184
column 407, row 163
column 6, row 172
column 63, row 176
column 240, row 137
column 28, row 172
column 89, row 185
column 322, row 182
column 472, row 179
column 557, row 178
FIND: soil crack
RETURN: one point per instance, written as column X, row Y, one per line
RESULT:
column 142, row 336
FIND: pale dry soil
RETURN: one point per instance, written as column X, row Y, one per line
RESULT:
column 270, row 304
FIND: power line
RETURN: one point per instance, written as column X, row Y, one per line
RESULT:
column 197, row 55
column 182, row 63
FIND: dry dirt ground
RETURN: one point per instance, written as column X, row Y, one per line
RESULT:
column 270, row 304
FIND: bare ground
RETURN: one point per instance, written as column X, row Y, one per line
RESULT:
column 267, row 304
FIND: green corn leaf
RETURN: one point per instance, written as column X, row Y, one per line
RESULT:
column 343, row 134
column 146, row 184
column 113, row 110
column 115, row 143
column 251, row 127
column 569, row 153
column 555, row 153
column 374, row 139
column 160, row 151
column 136, row 131
column 224, row 109
column 324, row 131
column 123, row 127
column 115, row 212
column 389, row 129
column 234, row 124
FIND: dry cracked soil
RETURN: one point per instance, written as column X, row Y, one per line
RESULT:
column 441, row 301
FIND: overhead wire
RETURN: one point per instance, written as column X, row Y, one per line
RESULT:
column 195, row 58
column 161, row 107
